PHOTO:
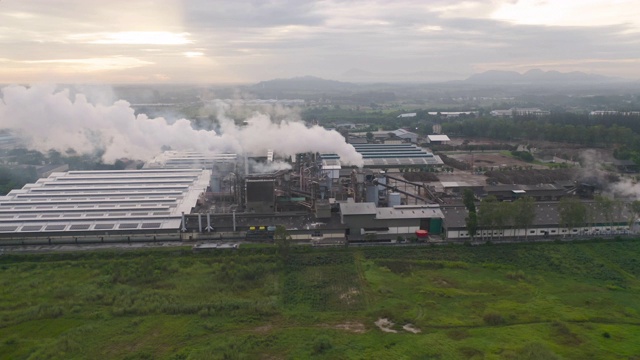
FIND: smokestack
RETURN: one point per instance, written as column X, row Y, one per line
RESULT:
column 234, row 221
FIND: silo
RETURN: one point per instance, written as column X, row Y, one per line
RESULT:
column 215, row 183
column 372, row 194
column 394, row 199
column 382, row 180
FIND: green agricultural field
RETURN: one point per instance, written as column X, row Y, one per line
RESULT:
column 519, row 301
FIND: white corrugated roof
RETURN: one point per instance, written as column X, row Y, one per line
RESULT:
column 103, row 201
column 438, row 138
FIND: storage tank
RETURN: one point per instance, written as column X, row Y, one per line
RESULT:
column 372, row 194
column 215, row 184
column 394, row 199
column 382, row 180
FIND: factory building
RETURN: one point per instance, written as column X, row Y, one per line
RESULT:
column 545, row 224
column 189, row 160
column 540, row 192
column 381, row 156
column 364, row 219
column 103, row 202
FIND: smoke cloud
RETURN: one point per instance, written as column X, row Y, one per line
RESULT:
column 611, row 184
column 48, row 118
column 263, row 168
column 626, row 189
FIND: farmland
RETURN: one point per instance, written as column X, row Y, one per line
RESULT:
column 516, row 301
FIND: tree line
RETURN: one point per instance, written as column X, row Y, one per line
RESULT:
column 491, row 215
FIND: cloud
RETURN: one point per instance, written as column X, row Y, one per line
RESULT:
column 255, row 40
column 134, row 38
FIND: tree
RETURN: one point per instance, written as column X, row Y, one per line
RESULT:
column 369, row 136
column 524, row 213
column 472, row 224
column 572, row 212
column 472, row 218
column 634, row 212
column 605, row 206
column 503, row 215
column 487, row 213
column 469, row 200
column 283, row 242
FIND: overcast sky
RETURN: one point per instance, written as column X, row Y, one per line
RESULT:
column 233, row 41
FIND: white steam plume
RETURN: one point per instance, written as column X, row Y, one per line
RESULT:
column 626, row 189
column 269, row 167
column 51, row 119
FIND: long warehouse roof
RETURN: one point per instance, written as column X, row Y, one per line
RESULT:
column 189, row 160
column 103, row 201
column 389, row 155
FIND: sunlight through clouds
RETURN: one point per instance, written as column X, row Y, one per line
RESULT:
column 570, row 13
column 135, row 38
column 93, row 64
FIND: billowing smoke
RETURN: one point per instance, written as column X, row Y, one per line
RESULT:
column 626, row 189
column 609, row 183
column 50, row 119
column 269, row 167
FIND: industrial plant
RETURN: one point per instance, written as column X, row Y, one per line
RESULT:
column 195, row 196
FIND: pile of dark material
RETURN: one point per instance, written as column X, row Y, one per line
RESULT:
column 420, row 176
column 530, row 177
column 460, row 165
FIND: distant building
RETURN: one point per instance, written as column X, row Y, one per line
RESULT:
column 530, row 111
column 406, row 135
column 438, row 139
column 614, row 112
column 383, row 135
column 357, row 140
column 393, row 140
column 502, row 113
column 407, row 115
column 520, row 112
column 452, row 114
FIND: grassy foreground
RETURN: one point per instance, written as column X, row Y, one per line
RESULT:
column 518, row 301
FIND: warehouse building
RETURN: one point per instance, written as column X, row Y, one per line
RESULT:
column 103, row 202
column 545, row 224
column 189, row 160
column 381, row 156
column 362, row 219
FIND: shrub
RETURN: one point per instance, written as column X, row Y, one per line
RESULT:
column 536, row 351
column 493, row 319
column 321, row 345
column 516, row 275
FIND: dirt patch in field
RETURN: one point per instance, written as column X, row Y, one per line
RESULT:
column 354, row 327
column 412, row 329
column 349, row 297
column 492, row 159
column 263, row 329
column 385, row 325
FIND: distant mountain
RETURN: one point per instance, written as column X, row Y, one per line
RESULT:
column 429, row 76
column 537, row 76
column 303, row 83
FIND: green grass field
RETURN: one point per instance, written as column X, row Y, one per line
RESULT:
column 519, row 301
